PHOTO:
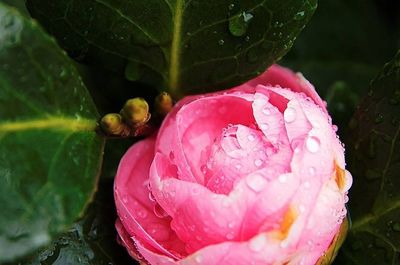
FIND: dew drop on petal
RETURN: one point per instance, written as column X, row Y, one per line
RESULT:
column 230, row 236
column 266, row 111
column 125, row 199
column 256, row 182
column 251, row 137
column 289, row 115
column 311, row 170
column 264, row 126
column 258, row 162
column 313, row 144
column 348, row 180
column 142, row 214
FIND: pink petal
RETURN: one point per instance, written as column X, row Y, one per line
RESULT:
column 269, row 118
column 125, row 239
column 201, row 122
column 280, row 76
column 200, row 217
column 134, row 205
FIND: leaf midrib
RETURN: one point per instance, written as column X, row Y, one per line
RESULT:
column 55, row 123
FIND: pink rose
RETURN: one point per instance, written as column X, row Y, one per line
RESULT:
column 254, row 175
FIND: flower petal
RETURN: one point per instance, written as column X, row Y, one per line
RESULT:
column 280, row 76
column 134, row 204
column 200, row 217
column 201, row 122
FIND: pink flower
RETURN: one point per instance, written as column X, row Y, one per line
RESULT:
column 252, row 175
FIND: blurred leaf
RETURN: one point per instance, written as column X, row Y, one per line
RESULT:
column 91, row 240
column 184, row 46
column 50, row 154
column 375, row 165
column 19, row 4
column 343, row 48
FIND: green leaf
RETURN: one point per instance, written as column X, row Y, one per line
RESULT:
column 19, row 4
column 185, row 46
column 91, row 240
column 375, row 164
column 50, row 154
column 343, row 48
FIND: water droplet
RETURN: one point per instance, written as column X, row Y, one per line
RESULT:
column 231, row 6
column 266, row 111
column 142, row 214
column 251, row 137
column 307, row 185
column 311, row 170
column 231, row 224
column 230, row 236
column 258, row 162
column 299, row 15
column 247, row 38
column 203, row 169
column 264, row 126
column 313, row 144
column 125, row 199
column 256, row 182
column 258, row 243
column 171, row 155
column 239, row 23
column 221, row 42
column 289, row 115
column 238, row 166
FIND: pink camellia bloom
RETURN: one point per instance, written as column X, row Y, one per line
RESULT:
column 254, row 175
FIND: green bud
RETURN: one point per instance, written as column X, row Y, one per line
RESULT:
column 136, row 111
column 112, row 124
column 163, row 103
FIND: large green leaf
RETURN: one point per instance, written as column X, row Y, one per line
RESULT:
column 183, row 45
column 343, row 48
column 91, row 240
column 49, row 152
column 375, row 163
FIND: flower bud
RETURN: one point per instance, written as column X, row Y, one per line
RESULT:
column 136, row 111
column 163, row 103
column 112, row 124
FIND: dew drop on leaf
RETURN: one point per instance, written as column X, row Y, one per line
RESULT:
column 299, row 15
column 239, row 23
